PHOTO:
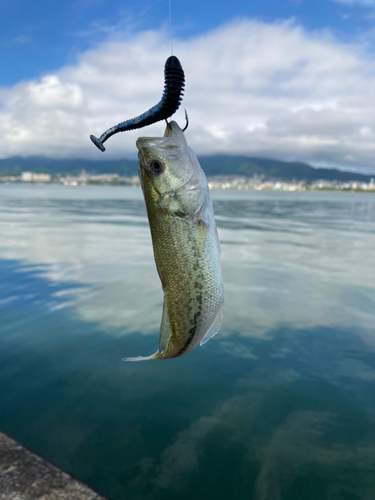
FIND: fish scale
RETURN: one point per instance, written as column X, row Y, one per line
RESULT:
column 185, row 242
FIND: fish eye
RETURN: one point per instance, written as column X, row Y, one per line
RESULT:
column 156, row 167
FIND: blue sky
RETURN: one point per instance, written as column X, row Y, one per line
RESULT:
column 289, row 79
column 41, row 35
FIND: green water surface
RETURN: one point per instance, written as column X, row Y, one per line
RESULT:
column 280, row 405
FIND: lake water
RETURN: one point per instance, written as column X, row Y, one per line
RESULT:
column 280, row 405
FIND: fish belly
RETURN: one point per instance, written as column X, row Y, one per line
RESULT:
column 188, row 261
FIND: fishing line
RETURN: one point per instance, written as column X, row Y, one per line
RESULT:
column 174, row 83
column 170, row 26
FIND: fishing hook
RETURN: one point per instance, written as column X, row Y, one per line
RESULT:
column 186, row 120
column 174, row 83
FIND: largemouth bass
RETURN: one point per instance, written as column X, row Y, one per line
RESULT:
column 185, row 242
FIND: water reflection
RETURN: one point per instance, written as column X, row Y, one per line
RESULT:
column 288, row 259
column 279, row 405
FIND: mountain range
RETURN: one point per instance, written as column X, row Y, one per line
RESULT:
column 212, row 165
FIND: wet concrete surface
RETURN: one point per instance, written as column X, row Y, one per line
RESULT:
column 27, row 476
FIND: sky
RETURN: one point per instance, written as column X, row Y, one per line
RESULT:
column 287, row 79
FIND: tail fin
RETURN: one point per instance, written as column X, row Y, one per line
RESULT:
column 157, row 355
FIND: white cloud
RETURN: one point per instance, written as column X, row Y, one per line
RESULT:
column 364, row 3
column 52, row 93
column 252, row 88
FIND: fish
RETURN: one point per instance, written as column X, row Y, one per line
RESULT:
column 185, row 242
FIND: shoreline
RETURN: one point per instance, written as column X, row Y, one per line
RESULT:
column 213, row 187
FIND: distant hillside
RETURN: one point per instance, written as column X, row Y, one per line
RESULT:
column 212, row 165
column 16, row 165
column 242, row 165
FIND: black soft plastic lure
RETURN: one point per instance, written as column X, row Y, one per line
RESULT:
column 174, row 82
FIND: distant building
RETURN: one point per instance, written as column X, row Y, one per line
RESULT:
column 41, row 177
column 31, row 177
column 27, row 177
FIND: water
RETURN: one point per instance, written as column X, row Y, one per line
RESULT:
column 279, row 405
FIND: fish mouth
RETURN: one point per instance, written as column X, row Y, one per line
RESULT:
column 173, row 138
column 151, row 143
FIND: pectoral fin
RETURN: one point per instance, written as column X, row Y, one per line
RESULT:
column 215, row 327
column 165, row 329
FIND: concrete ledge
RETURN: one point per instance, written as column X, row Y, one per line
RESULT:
column 26, row 476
